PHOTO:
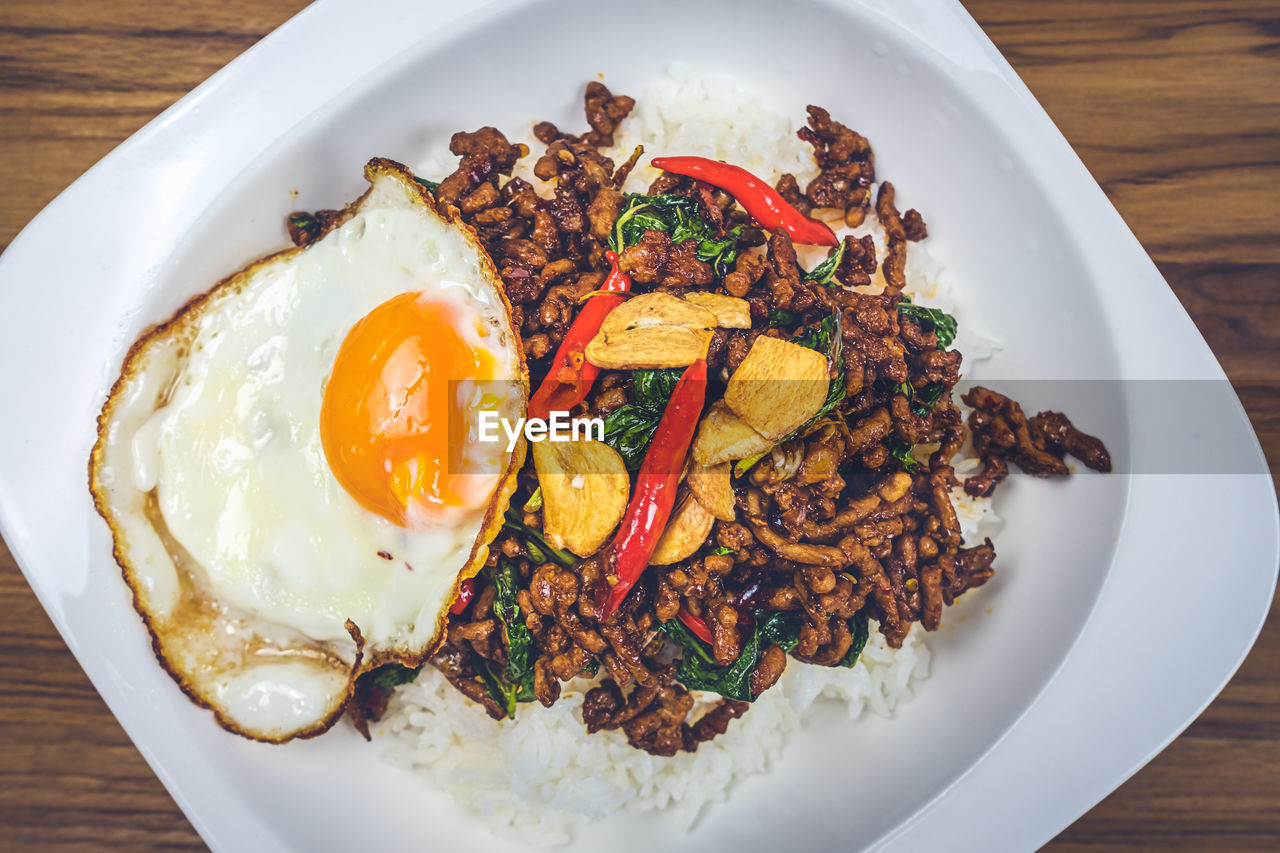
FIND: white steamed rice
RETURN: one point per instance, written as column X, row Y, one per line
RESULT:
column 538, row 777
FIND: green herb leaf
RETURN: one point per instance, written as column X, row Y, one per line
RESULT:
column 722, row 252
column 819, row 337
column 519, row 638
column 503, row 691
column 930, row 320
column 779, row 317
column 306, row 224
column 825, row 272
column 535, row 543
column 498, row 690
column 783, row 628
column 391, row 676
column 534, row 503
column 922, row 401
column 431, row 185
column 514, row 682
column 629, row 428
column 699, row 670
column 901, row 451
column 687, row 640
column 680, row 218
column 861, row 633
column 653, row 388
column 826, row 337
column 722, row 551
column 742, row 466
column 927, row 398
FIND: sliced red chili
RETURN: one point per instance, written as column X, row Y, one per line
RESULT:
column 571, row 376
column 466, row 592
column 696, row 624
column 762, row 201
column 655, row 491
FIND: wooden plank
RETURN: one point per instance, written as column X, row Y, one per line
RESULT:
column 1175, row 108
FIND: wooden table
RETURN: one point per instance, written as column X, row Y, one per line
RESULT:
column 1174, row 107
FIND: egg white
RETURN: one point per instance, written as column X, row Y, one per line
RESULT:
column 266, row 586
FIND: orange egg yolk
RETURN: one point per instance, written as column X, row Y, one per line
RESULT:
column 389, row 404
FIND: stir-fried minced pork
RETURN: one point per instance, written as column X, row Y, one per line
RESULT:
column 847, row 522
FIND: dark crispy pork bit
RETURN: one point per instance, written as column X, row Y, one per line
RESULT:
column 604, row 112
column 1055, row 432
column 1002, row 432
column 847, row 166
column 654, row 260
column 789, row 189
column 993, row 473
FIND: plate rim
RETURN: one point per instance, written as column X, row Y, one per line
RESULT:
column 321, row 18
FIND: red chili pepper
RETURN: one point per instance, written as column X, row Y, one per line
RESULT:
column 759, row 199
column 695, row 624
column 655, row 492
column 571, row 376
column 466, row 592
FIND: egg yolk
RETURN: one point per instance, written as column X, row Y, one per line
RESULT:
column 388, row 406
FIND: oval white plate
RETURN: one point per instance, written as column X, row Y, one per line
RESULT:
column 1100, row 638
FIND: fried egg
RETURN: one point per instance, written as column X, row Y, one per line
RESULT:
column 289, row 466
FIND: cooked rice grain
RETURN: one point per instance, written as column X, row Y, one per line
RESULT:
column 536, row 778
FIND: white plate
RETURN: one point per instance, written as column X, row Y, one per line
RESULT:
column 1118, row 612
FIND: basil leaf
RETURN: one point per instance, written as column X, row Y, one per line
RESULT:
column 825, row 272
column 391, row 676
column 819, row 337
column 641, row 213
column 826, row 337
column 503, row 691
column 306, row 225
column 779, row 317
column 699, row 671
column 720, row 253
column 687, row 640
column 861, row 633
column 783, row 628
column 534, row 542
column 922, row 401
column 901, row 451
column 680, row 218
column 928, row 397
column 933, row 320
column 653, row 388
column 519, row 637
column 513, row 683
column 629, row 428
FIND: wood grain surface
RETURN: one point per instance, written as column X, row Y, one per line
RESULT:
column 1174, row 107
